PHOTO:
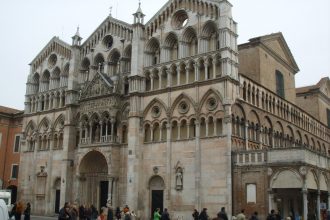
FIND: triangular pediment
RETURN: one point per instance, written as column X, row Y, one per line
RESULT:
column 277, row 45
column 100, row 85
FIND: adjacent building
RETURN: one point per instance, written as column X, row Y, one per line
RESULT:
column 11, row 121
column 172, row 113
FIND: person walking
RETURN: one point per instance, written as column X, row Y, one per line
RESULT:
column 222, row 215
column 64, row 212
column 165, row 215
column 195, row 214
column 94, row 213
column 118, row 213
column 157, row 214
column 82, row 212
column 271, row 215
column 110, row 211
column 27, row 211
column 203, row 215
column 254, row 216
column 241, row 215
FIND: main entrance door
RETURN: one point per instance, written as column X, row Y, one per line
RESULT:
column 157, row 187
column 157, row 200
column 93, row 170
column 103, row 193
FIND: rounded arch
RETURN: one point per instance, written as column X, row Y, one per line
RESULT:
column 171, row 40
column 156, row 182
column 66, row 69
column 93, row 162
column 238, row 111
column 286, row 178
column 189, row 35
column 253, row 117
column 209, row 29
column 114, row 55
column 99, row 59
column 278, row 127
column 85, row 63
column 323, row 182
column 56, row 72
column 128, row 51
column 45, row 75
column 267, row 123
column 152, row 45
column 311, row 180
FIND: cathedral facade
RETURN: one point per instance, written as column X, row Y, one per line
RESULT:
column 161, row 115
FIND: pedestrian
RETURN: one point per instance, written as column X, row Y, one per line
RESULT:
column 203, row 215
column 64, row 212
column 27, row 211
column 157, row 214
column 94, row 213
column 102, row 215
column 254, row 216
column 278, row 215
column 328, row 214
column 82, row 212
column 126, row 209
column 88, row 212
column 222, row 215
column 165, row 215
column 118, row 213
column 241, row 215
column 271, row 215
column 127, row 216
column 195, row 214
column 19, row 210
column 110, row 211
column 73, row 212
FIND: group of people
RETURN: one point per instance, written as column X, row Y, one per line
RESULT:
column 19, row 209
column 71, row 212
column 222, row 215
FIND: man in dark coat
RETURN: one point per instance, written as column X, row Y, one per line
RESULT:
column 203, row 215
column 165, row 215
column 110, row 211
column 222, row 214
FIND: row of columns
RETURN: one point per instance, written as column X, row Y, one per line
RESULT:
column 46, row 102
column 46, row 143
column 86, row 132
column 195, row 70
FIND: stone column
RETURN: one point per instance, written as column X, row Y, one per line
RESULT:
column 101, row 131
column 151, row 82
column 198, row 204
column 169, row 78
column 90, row 132
column 270, row 200
column 110, row 190
column 305, row 202
column 196, row 72
column 160, row 79
column 178, row 75
column 261, row 132
column 187, row 74
column 246, row 131
column 206, row 65
column 318, row 204
column 113, row 121
column 214, row 62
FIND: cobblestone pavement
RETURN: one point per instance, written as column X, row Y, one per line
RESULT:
column 43, row 218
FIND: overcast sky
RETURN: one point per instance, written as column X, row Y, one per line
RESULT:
column 28, row 25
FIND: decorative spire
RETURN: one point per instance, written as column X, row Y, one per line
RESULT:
column 138, row 15
column 76, row 39
column 110, row 15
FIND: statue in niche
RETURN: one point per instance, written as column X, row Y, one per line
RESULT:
column 179, row 179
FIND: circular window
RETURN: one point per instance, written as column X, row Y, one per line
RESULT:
column 180, row 19
column 107, row 41
column 52, row 60
column 183, row 107
column 155, row 112
column 212, row 104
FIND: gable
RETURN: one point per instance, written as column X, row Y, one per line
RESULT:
column 277, row 46
column 278, row 49
column 99, row 86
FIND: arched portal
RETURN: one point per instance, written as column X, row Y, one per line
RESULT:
column 157, row 187
column 93, row 177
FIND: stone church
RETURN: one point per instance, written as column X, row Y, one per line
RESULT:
column 172, row 113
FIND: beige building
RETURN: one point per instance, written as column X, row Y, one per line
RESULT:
column 160, row 114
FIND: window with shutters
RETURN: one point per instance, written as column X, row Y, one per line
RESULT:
column 279, row 83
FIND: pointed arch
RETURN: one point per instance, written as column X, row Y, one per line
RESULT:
column 152, row 103
column 209, row 28
column 30, row 127
column 44, row 124
column 183, row 96
column 238, row 111
column 211, row 93
column 59, row 123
